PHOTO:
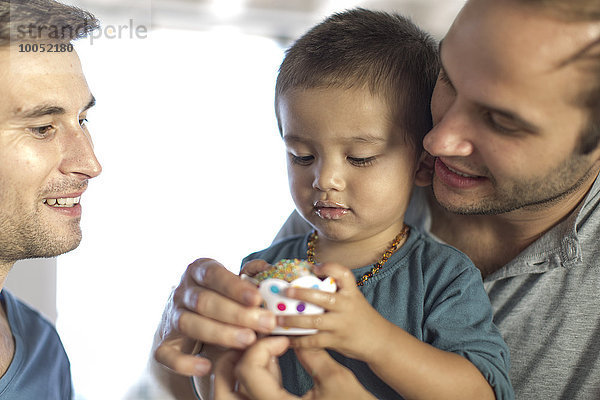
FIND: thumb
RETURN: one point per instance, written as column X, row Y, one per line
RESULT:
column 223, row 380
column 258, row 372
column 318, row 363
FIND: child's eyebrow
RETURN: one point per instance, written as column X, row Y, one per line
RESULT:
column 363, row 138
column 368, row 139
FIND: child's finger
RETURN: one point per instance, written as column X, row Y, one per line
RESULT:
column 320, row 365
column 223, row 380
column 322, row 322
column 317, row 341
column 331, row 379
column 344, row 278
column 326, row 300
column 255, row 369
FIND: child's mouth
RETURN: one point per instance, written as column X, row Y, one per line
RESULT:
column 330, row 210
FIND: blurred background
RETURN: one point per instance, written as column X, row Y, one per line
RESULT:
column 193, row 166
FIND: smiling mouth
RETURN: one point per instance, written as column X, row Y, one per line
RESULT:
column 461, row 173
column 62, row 202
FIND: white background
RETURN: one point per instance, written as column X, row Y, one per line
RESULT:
column 193, row 166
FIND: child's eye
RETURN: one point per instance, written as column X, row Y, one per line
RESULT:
column 301, row 160
column 83, row 122
column 42, row 131
column 361, row 161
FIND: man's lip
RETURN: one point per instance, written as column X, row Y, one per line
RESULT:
column 64, row 196
column 458, row 171
column 449, row 177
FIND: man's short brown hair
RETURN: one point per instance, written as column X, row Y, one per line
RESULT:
column 33, row 20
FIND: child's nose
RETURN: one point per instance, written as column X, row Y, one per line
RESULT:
column 328, row 177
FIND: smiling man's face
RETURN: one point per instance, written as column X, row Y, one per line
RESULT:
column 506, row 110
column 46, row 153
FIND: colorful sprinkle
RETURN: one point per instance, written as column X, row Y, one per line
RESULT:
column 281, row 307
column 287, row 270
column 301, row 307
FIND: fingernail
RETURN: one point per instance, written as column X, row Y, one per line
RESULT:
column 202, row 368
column 266, row 322
column 281, row 321
column 245, row 338
column 249, row 297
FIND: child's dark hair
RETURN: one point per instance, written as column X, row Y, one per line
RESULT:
column 361, row 48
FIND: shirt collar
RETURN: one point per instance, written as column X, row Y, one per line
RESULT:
column 559, row 247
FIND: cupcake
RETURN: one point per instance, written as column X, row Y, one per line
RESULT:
column 286, row 273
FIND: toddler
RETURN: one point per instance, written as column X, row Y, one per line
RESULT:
column 410, row 317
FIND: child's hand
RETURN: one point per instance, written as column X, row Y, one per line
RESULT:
column 350, row 325
column 255, row 374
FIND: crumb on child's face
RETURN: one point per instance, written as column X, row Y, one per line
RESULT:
column 350, row 169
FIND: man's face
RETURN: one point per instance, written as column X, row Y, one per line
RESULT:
column 46, row 153
column 350, row 170
column 505, row 110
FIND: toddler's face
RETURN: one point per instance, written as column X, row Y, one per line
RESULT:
column 350, row 170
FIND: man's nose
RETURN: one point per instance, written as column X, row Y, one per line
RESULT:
column 451, row 135
column 78, row 157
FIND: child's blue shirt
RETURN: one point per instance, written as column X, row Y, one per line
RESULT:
column 432, row 291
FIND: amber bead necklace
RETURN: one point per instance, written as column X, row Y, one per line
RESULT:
column 312, row 241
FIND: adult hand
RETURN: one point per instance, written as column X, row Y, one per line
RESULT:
column 210, row 305
column 255, row 374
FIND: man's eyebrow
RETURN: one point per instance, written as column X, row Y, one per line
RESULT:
column 504, row 113
column 47, row 109
column 39, row 111
column 586, row 52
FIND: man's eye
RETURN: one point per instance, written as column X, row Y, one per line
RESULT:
column 42, row 131
column 500, row 124
column 301, row 160
column 361, row 161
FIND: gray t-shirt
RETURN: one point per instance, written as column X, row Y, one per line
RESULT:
column 546, row 303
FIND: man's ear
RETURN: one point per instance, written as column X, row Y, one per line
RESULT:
column 424, row 174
